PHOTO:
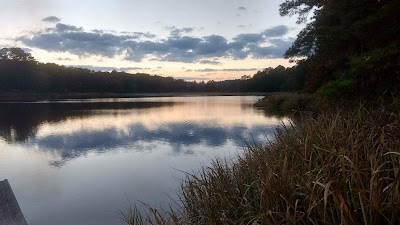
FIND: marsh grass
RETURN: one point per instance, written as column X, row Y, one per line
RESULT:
column 342, row 167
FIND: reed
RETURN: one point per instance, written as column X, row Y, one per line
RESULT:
column 341, row 167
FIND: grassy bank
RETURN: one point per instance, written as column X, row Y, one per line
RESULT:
column 341, row 167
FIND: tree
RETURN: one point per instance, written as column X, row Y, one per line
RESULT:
column 15, row 54
column 299, row 7
column 341, row 32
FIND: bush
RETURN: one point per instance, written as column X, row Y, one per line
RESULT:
column 336, row 87
column 292, row 102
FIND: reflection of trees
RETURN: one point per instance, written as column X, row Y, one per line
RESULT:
column 180, row 136
column 19, row 121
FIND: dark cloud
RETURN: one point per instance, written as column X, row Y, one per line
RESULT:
column 213, row 45
column 243, row 26
column 184, row 43
column 138, row 35
column 226, row 70
column 108, row 68
column 60, row 27
column 66, row 38
column 95, row 68
column 133, row 68
column 248, row 38
column 207, row 70
column 51, row 19
column 169, row 28
column 242, row 8
column 63, row 59
column 211, row 62
column 276, row 31
column 237, row 69
column 179, row 32
column 176, row 48
column 191, row 78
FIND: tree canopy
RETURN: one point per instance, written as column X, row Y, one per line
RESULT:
column 15, row 54
column 343, row 35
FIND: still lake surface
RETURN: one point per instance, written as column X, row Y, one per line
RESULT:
column 78, row 162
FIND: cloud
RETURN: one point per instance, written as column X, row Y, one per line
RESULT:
column 136, row 46
column 109, row 68
column 51, row 19
column 242, row 8
column 63, row 59
column 244, row 26
column 176, row 32
column 179, row 32
column 276, row 31
column 191, row 78
column 206, row 70
column 140, row 34
column 95, row 68
column 133, row 68
column 211, row 62
column 239, row 69
column 60, row 27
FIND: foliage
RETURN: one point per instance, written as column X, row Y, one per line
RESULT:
column 15, row 54
column 292, row 103
column 278, row 79
column 335, row 87
column 341, row 31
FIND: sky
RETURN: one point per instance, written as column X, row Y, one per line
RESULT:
column 185, row 39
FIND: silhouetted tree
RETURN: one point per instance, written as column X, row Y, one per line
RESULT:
column 15, row 54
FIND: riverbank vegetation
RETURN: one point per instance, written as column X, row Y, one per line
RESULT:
column 339, row 162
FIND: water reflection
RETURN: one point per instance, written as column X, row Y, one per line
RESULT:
column 180, row 136
column 19, row 121
column 102, row 152
column 73, row 129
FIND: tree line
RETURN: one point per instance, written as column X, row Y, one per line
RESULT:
column 20, row 72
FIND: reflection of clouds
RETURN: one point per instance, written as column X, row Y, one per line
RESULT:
column 224, row 110
column 178, row 135
column 19, row 121
column 73, row 129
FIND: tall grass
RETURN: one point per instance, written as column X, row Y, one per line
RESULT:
column 342, row 167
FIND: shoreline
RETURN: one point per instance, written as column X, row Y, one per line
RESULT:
column 35, row 97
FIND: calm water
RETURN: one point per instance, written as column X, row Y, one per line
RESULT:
column 79, row 162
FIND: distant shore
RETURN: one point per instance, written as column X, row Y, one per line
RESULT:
column 34, row 97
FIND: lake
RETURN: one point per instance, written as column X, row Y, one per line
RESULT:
column 78, row 162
